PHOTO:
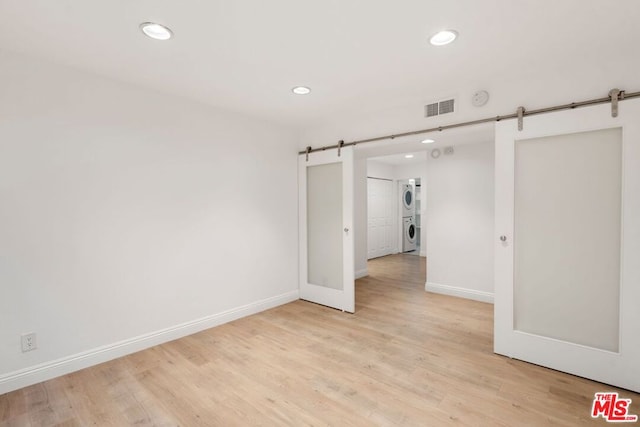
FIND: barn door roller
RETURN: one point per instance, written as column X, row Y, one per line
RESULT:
column 520, row 114
column 615, row 94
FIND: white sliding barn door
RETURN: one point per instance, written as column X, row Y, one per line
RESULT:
column 567, row 251
column 326, row 228
column 379, row 217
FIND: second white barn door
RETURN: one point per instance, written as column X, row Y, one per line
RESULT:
column 567, row 269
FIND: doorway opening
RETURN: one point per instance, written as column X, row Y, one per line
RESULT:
column 396, row 193
column 395, row 208
column 442, row 194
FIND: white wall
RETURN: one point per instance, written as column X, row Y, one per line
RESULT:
column 460, row 222
column 376, row 169
column 126, row 213
column 412, row 170
column 360, row 220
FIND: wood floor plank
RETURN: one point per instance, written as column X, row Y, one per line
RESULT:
column 405, row 358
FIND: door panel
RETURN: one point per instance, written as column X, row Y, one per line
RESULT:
column 567, row 276
column 379, row 213
column 567, row 228
column 326, row 223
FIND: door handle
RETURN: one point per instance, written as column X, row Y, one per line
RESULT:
column 503, row 238
column 346, row 229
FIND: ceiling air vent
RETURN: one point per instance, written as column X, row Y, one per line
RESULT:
column 431, row 110
column 445, row 106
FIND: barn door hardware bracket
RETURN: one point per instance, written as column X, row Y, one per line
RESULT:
column 340, row 145
column 520, row 113
column 308, row 151
column 615, row 95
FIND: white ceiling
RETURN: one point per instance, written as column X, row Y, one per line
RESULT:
column 246, row 55
column 401, row 160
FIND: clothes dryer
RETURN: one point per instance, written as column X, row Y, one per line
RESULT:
column 408, row 200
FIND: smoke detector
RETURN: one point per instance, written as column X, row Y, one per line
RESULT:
column 480, row 98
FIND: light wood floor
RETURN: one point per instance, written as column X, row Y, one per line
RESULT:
column 405, row 357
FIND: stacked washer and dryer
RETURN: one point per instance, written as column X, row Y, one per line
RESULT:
column 408, row 218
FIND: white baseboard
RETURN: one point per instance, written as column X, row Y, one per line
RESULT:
column 459, row 292
column 362, row 273
column 45, row 371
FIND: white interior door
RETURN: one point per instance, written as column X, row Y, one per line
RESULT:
column 326, row 228
column 380, row 217
column 567, row 254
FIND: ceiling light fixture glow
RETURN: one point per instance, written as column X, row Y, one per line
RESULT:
column 428, row 141
column 408, row 156
column 301, row 90
column 443, row 37
column 156, row 31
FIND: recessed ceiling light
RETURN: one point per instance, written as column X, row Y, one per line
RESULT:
column 443, row 37
column 301, row 90
column 428, row 141
column 408, row 156
column 156, row 31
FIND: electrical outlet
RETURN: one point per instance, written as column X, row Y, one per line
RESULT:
column 29, row 342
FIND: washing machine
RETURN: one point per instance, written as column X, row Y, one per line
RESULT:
column 408, row 201
column 409, row 234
